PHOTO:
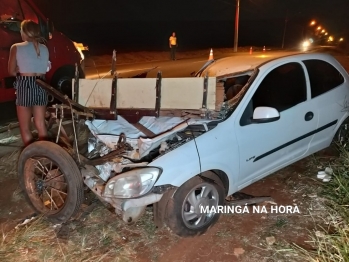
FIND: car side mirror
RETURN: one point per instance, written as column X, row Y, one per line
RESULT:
column 50, row 26
column 264, row 114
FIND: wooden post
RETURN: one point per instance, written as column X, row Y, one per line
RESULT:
column 204, row 96
column 113, row 98
column 76, row 84
column 158, row 94
column 113, row 63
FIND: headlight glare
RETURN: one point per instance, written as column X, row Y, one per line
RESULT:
column 131, row 184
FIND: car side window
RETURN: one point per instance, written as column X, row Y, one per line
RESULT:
column 283, row 88
column 323, row 76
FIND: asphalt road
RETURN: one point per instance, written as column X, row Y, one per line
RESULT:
column 182, row 67
column 179, row 68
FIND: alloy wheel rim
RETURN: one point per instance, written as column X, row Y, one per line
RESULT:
column 201, row 198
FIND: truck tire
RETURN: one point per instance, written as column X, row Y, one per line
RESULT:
column 51, row 181
column 62, row 80
column 183, row 214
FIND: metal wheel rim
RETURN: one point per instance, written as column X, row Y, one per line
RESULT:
column 200, row 197
column 64, row 85
column 45, row 184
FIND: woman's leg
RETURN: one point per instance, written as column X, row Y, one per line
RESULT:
column 39, row 113
column 24, row 115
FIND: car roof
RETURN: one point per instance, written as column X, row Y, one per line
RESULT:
column 239, row 64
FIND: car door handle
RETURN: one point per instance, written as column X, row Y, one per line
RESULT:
column 308, row 116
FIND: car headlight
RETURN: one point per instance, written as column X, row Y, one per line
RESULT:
column 132, row 184
column 80, row 47
column 305, row 44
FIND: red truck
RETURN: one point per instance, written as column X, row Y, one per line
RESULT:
column 64, row 53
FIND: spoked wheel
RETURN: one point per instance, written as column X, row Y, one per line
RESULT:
column 189, row 211
column 51, row 180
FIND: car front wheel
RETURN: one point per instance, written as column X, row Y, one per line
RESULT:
column 191, row 209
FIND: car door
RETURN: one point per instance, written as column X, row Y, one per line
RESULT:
column 266, row 147
column 329, row 90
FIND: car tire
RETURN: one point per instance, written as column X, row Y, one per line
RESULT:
column 183, row 214
column 341, row 137
column 51, row 181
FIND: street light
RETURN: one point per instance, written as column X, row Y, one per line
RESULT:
column 285, row 27
column 236, row 25
column 283, row 37
column 313, row 22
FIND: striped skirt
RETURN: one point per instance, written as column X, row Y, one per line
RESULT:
column 29, row 93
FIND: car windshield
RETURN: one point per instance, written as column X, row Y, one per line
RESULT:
column 235, row 87
column 13, row 12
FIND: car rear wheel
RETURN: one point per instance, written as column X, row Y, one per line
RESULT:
column 51, row 181
column 188, row 212
column 342, row 135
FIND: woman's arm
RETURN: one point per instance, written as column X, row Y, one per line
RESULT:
column 12, row 62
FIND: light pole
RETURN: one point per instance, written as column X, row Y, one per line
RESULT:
column 285, row 27
column 283, row 37
column 236, row 26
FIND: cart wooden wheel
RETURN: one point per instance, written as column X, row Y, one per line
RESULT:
column 51, row 180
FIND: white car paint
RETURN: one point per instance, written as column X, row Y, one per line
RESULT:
column 236, row 64
column 248, row 153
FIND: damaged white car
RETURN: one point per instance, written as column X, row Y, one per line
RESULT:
column 266, row 114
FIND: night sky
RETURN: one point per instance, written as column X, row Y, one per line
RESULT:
column 146, row 25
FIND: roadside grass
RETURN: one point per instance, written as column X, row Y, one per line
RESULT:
column 330, row 239
column 100, row 236
column 8, row 165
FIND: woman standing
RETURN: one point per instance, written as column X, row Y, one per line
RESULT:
column 28, row 61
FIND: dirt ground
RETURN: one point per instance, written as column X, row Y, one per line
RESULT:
column 250, row 236
column 235, row 237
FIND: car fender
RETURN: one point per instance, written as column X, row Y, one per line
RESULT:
column 216, row 150
column 178, row 165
